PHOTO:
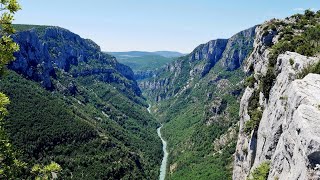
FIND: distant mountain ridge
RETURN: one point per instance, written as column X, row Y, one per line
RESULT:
column 167, row 54
column 143, row 63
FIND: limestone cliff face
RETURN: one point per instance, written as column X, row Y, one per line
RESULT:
column 229, row 54
column 33, row 59
column 45, row 52
column 211, row 52
column 141, row 75
column 288, row 134
column 238, row 48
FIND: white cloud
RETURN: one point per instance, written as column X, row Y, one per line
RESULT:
column 313, row 9
column 299, row 9
column 303, row 9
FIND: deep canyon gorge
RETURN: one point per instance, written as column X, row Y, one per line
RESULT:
column 245, row 107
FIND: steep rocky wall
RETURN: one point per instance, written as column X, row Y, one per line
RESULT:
column 229, row 54
column 211, row 52
column 288, row 133
column 246, row 145
column 43, row 53
column 238, row 48
column 141, row 75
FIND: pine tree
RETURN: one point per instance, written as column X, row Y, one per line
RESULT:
column 10, row 166
column 7, row 45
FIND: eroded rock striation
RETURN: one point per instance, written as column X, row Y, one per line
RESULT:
column 288, row 133
column 229, row 54
column 44, row 52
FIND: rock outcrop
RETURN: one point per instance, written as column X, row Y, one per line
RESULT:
column 296, row 155
column 229, row 54
column 238, row 48
column 33, row 59
column 46, row 51
column 288, row 132
column 77, row 106
column 141, row 75
column 211, row 52
column 197, row 97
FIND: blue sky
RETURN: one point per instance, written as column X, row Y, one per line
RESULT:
column 151, row 25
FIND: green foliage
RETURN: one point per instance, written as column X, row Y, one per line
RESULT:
column 309, row 13
column 291, row 61
column 145, row 63
column 39, row 29
column 7, row 46
column 45, row 172
column 267, row 82
column 312, row 68
column 305, row 49
column 245, row 151
column 253, row 123
column 73, row 132
column 102, row 128
column 312, row 35
column 25, row 27
column 253, row 102
column 287, row 33
column 254, row 112
column 4, row 101
column 261, row 172
column 250, row 81
column 210, row 167
column 317, row 14
column 266, row 29
column 284, row 98
column 10, row 166
column 277, row 49
column 192, row 125
column 306, row 43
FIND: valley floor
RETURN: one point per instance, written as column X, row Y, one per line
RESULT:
column 163, row 168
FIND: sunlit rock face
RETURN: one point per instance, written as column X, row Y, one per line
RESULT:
column 45, row 52
column 289, row 131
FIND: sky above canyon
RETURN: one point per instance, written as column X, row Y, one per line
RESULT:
column 154, row 25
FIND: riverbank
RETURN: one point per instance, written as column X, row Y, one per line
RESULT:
column 163, row 167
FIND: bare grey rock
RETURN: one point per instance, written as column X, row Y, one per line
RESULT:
column 289, row 131
column 238, row 48
column 297, row 153
column 229, row 54
column 46, row 52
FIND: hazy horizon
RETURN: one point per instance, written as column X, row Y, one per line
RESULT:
column 118, row 26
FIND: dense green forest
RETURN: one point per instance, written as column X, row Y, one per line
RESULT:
column 47, row 127
column 191, row 131
column 93, row 121
column 145, row 61
column 75, row 109
column 198, row 111
column 192, row 122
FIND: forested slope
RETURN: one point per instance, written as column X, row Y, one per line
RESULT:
column 77, row 106
column 197, row 97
